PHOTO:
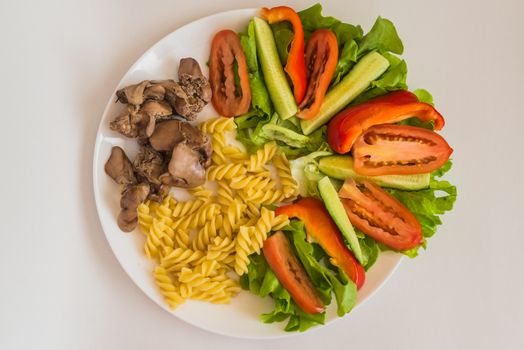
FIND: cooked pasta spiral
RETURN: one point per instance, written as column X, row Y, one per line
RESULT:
column 198, row 242
column 262, row 156
column 225, row 171
column 218, row 125
column 167, row 288
column 288, row 183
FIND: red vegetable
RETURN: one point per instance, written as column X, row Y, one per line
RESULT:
column 228, row 99
column 321, row 61
column 280, row 257
column 346, row 127
column 295, row 65
column 399, row 149
column 319, row 225
column 376, row 213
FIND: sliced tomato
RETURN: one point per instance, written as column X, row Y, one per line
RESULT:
column 229, row 99
column 321, row 227
column 280, row 257
column 321, row 61
column 380, row 216
column 399, row 150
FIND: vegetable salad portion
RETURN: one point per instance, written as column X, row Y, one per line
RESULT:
column 364, row 152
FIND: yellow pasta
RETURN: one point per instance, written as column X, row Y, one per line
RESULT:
column 145, row 219
column 225, row 171
column 218, row 125
column 207, row 232
column 167, row 288
column 180, row 258
column 288, row 183
column 201, row 193
column 262, row 156
column 180, row 209
column 198, row 242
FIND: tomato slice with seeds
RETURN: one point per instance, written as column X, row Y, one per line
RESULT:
column 321, row 62
column 284, row 263
column 229, row 98
column 380, row 216
column 399, row 150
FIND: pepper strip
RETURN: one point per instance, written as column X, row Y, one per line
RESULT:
column 346, row 127
column 296, row 64
column 323, row 229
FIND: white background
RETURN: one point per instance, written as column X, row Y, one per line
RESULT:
column 62, row 288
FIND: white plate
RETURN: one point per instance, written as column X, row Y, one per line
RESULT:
column 241, row 317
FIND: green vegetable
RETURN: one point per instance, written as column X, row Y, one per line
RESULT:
column 393, row 79
column 338, row 213
column 305, row 172
column 369, row 68
column 327, row 279
column 383, row 37
column 285, row 135
column 427, row 205
column 341, row 168
column 274, row 75
column 347, row 37
column 283, row 33
column 370, row 249
column 260, row 100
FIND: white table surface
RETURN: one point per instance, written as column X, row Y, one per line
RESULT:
column 62, row 288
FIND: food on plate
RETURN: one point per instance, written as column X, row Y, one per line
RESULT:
column 289, row 271
column 399, row 149
column 322, row 228
column 321, row 59
column 341, row 167
column 295, row 64
column 369, row 68
column 379, row 215
column 227, row 64
column 346, row 127
column 275, row 78
column 258, row 198
column 197, row 243
column 152, row 100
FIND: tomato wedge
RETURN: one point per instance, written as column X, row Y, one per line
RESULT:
column 323, row 229
column 229, row 99
column 346, row 127
column 321, row 61
column 280, row 257
column 399, row 150
column 380, row 216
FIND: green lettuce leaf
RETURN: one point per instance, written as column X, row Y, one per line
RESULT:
column 429, row 204
column 383, row 36
column 327, row 280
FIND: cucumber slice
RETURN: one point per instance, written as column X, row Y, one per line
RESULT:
column 338, row 213
column 274, row 75
column 369, row 68
column 341, row 168
column 288, row 136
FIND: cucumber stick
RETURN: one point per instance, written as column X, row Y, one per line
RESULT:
column 338, row 213
column 274, row 75
column 341, row 168
column 369, row 68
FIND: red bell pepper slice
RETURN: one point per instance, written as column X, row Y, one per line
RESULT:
column 296, row 64
column 319, row 225
column 321, row 62
column 346, row 127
